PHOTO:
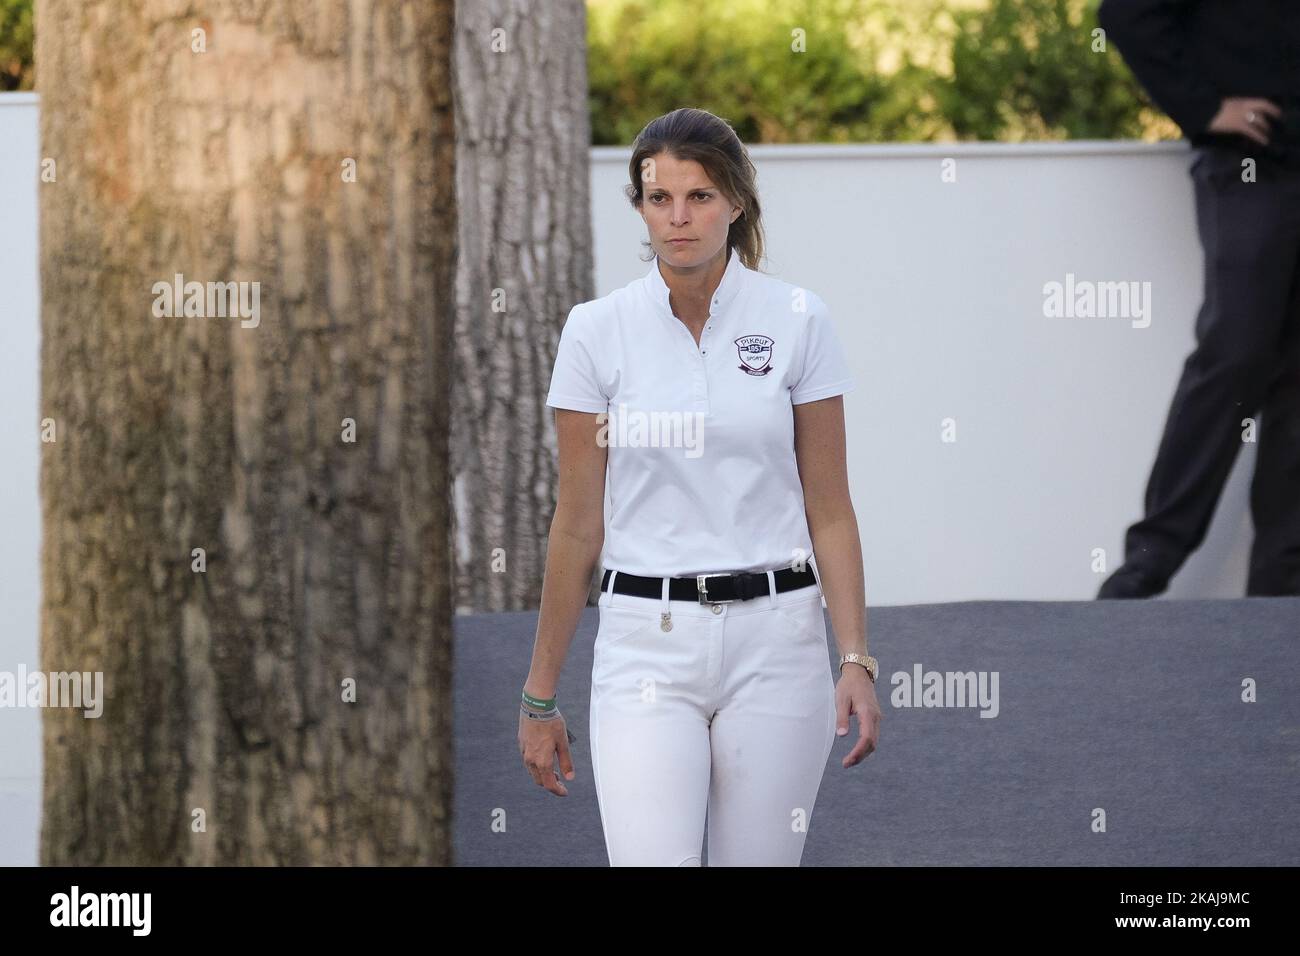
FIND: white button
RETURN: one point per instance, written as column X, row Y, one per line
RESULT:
column 717, row 609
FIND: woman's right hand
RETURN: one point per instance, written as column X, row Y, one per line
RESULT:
column 540, row 741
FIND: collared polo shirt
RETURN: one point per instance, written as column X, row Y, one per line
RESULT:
column 702, row 476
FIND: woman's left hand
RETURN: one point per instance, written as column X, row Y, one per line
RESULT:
column 855, row 693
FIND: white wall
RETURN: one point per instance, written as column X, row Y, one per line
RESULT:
column 937, row 293
column 20, row 510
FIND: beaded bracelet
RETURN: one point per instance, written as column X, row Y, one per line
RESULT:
column 552, row 715
column 537, row 715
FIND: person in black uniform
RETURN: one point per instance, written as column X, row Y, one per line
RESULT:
column 1228, row 72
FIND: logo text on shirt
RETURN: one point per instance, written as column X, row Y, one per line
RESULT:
column 755, row 354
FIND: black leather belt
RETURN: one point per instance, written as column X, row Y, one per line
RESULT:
column 710, row 588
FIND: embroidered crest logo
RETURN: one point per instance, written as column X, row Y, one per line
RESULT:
column 755, row 354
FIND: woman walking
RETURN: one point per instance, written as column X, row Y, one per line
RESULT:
column 712, row 395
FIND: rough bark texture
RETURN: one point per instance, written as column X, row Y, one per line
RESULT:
column 326, row 560
column 522, row 140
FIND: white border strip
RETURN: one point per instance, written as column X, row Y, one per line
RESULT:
column 1071, row 147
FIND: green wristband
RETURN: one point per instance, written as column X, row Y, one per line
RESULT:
column 538, row 702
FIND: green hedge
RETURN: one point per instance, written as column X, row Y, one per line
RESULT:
column 868, row 70
column 15, row 45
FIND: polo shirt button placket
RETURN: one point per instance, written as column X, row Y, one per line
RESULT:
column 706, row 329
column 698, row 353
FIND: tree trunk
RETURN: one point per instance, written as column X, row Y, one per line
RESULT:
column 522, row 140
column 227, row 736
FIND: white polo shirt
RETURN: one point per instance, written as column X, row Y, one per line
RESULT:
column 702, row 476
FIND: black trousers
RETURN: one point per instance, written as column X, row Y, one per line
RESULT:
column 1246, row 364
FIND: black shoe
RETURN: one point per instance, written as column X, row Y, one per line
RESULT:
column 1131, row 581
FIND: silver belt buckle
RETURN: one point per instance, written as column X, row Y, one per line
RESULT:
column 703, row 589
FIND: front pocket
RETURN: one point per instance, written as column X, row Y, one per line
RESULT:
column 788, row 666
column 1199, row 157
column 631, row 648
column 805, row 619
column 1217, row 165
column 617, row 624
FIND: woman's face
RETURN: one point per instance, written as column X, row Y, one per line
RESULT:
column 679, row 201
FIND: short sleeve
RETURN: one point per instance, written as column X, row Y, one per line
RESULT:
column 574, row 381
column 824, row 371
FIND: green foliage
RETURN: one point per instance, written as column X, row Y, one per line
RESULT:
column 833, row 71
column 16, row 69
column 647, row 57
column 871, row 70
column 1027, row 69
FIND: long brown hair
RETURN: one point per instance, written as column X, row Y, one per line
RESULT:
column 698, row 135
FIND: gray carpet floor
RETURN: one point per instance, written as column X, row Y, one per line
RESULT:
column 1131, row 707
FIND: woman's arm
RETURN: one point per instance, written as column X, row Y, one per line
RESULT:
column 833, row 528
column 573, row 548
column 832, row 525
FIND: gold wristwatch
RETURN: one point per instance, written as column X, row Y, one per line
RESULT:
column 866, row 660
